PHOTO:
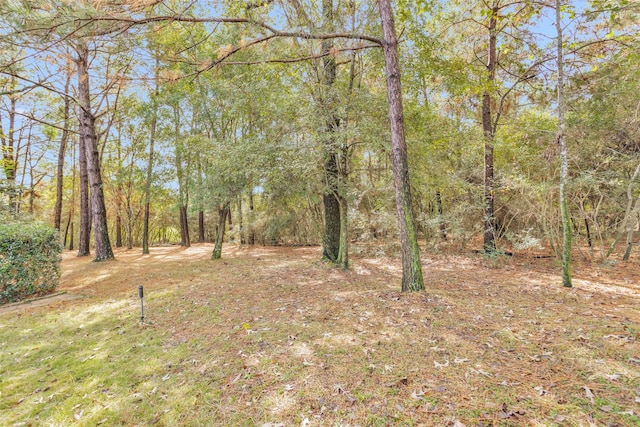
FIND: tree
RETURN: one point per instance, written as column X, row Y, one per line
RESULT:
column 411, row 265
column 89, row 140
column 564, row 212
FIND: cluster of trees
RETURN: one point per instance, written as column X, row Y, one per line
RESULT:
column 289, row 121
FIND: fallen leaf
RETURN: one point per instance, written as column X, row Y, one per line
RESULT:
column 559, row 418
column 589, row 394
column 417, row 394
column 441, row 365
column 541, row 391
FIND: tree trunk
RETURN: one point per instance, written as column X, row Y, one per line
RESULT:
column 119, row 191
column 182, row 186
column 223, row 211
column 331, row 241
column 147, row 184
column 85, row 224
column 252, row 233
column 88, row 138
column 489, row 137
column 118, row 225
column 243, row 240
column 9, row 154
column 631, row 225
column 130, row 220
column 627, row 213
column 411, row 265
column 443, row 224
column 185, row 227
column 343, row 253
column 70, row 221
column 201, row 226
column 61, row 153
column 564, row 164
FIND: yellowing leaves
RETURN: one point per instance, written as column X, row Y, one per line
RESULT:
column 224, row 51
column 171, row 75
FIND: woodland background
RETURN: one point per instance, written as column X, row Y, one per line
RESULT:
column 271, row 119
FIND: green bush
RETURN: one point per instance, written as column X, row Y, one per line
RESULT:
column 29, row 261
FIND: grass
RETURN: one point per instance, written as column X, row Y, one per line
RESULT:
column 270, row 336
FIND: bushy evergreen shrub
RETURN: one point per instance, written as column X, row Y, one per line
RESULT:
column 29, row 260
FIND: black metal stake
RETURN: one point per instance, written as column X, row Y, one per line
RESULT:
column 141, row 295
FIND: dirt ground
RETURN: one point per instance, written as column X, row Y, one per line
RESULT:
column 490, row 342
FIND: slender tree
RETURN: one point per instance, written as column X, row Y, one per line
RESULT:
column 411, row 265
column 564, row 163
column 152, row 137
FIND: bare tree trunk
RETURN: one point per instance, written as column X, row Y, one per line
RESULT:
column 9, row 153
column 564, row 164
column 631, row 225
column 130, row 221
column 88, row 138
column 70, row 221
column 85, row 224
column 331, row 240
column 489, row 137
column 119, row 190
column 411, row 265
column 252, row 233
column 201, row 226
column 147, row 184
column 443, row 224
column 61, row 153
column 223, row 211
column 627, row 213
column 182, row 185
column 118, row 224
column 243, row 240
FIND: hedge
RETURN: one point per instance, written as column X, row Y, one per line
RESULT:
column 29, row 261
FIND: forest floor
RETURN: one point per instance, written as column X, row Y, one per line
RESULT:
column 272, row 336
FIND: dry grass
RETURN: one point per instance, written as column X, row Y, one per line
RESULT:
column 270, row 336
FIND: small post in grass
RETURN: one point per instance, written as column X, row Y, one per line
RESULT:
column 141, row 295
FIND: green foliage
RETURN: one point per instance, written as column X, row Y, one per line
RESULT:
column 29, row 260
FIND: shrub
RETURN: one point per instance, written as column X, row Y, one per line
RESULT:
column 29, row 261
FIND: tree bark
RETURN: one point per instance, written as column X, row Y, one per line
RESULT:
column 201, row 226
column 223, row 211
column 243, row 239
column 489, row 136
column 631, row 225
column 252, row 233
column 443, row 224
column 411, row 265
column 147, row 184
column 9, row 154
column 564, row 163
column 88, row 139
column 182, row 187
column 331, row 241
column 85, row 224
column 61, row 153
column 71, row 220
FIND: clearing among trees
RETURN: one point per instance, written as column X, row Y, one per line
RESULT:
column 273, row 336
